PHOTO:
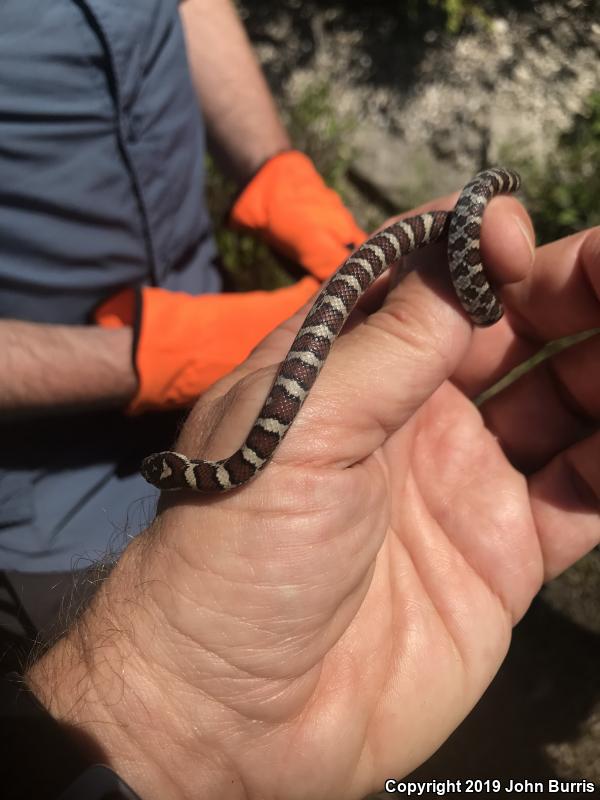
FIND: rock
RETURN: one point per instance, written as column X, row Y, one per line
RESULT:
column 432, row 109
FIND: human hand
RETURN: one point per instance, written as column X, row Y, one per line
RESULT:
column 328, row 625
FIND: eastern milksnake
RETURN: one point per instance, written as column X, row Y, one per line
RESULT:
column 309, row 350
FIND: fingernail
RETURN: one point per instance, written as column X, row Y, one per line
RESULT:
column 527, row 235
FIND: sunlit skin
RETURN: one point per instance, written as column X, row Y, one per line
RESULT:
column 328, row 625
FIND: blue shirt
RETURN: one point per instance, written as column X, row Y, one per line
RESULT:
column 101, row 186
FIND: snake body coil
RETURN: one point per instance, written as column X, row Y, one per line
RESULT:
column 300, row 368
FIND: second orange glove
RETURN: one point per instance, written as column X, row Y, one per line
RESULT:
column 183, row 343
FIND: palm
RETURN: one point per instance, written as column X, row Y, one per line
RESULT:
column 365, row 612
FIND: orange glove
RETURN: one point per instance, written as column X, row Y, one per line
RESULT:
column 289, row 205
column 184, row 343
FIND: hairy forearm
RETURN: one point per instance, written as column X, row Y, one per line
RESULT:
column 118, row 706
column 242, row 121
column 45, row 368
column 84, row 681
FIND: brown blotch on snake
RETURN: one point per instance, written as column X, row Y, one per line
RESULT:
column 300, row 368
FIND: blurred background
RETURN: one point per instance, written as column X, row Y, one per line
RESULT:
column 398, row 103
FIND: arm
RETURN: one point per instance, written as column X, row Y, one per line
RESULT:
column 44, row 367
column 243, row 125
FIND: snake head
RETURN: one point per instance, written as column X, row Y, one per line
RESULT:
column 164, row 469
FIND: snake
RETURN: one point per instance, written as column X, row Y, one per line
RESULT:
column 297, row 373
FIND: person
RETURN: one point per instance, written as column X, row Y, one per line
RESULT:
column 110, row 295
column 324, row 628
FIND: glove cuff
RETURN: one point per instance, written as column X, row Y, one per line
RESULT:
column 124, row 310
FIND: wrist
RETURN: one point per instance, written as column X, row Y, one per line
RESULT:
column 97, row 682
column 248, row 164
